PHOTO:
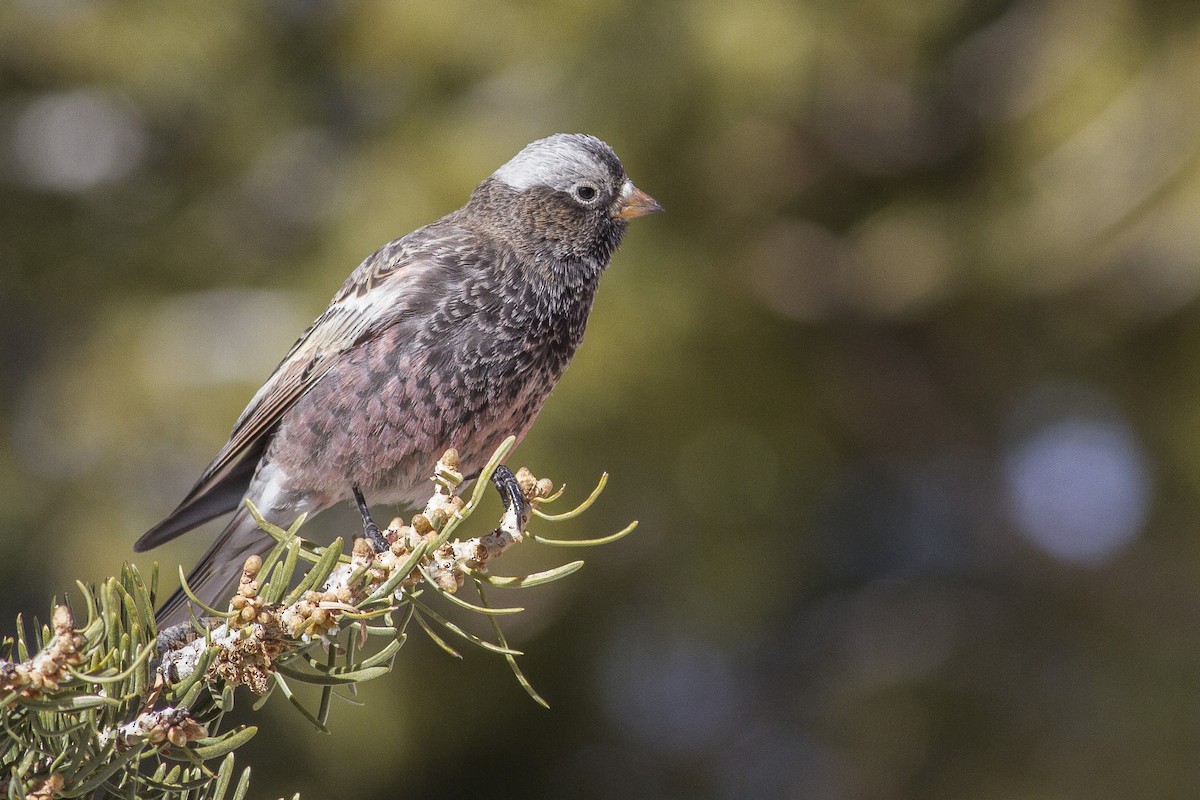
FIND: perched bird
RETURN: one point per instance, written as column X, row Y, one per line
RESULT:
column 451, row 336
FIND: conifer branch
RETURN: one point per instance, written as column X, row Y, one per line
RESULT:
column 115, row 707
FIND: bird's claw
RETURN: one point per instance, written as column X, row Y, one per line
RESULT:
column 378, row 542
column 510, row 493
column 370, row 530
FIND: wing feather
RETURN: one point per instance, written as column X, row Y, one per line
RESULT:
column 377, row 293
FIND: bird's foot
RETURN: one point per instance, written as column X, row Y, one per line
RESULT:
column 370, row 529
column 513, row 498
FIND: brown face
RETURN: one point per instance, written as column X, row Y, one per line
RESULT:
column 565, row 198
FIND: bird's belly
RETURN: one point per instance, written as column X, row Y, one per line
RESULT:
column 407, row 482
column 382, row 426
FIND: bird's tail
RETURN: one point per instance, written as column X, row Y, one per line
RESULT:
column 215, row 579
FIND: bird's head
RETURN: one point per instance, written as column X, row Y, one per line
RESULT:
column 565, row 197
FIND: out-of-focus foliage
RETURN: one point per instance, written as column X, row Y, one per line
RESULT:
column 902, row 387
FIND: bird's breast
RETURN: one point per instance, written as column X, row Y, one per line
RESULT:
column 380, row 418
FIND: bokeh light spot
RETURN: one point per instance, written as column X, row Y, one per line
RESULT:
column 73, row 141
column 1078, row 488
column 668, row 691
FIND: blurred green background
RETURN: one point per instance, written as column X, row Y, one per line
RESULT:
column 903, row 387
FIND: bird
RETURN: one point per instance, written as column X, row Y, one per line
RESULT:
column 451, row 336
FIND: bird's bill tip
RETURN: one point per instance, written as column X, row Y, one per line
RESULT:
column 635, row 203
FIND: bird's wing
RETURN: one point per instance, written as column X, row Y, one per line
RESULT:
column 384, row 288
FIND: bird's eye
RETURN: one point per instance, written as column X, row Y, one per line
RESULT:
column 585, row 192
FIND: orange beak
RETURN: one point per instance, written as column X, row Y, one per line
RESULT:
column 635, row 203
